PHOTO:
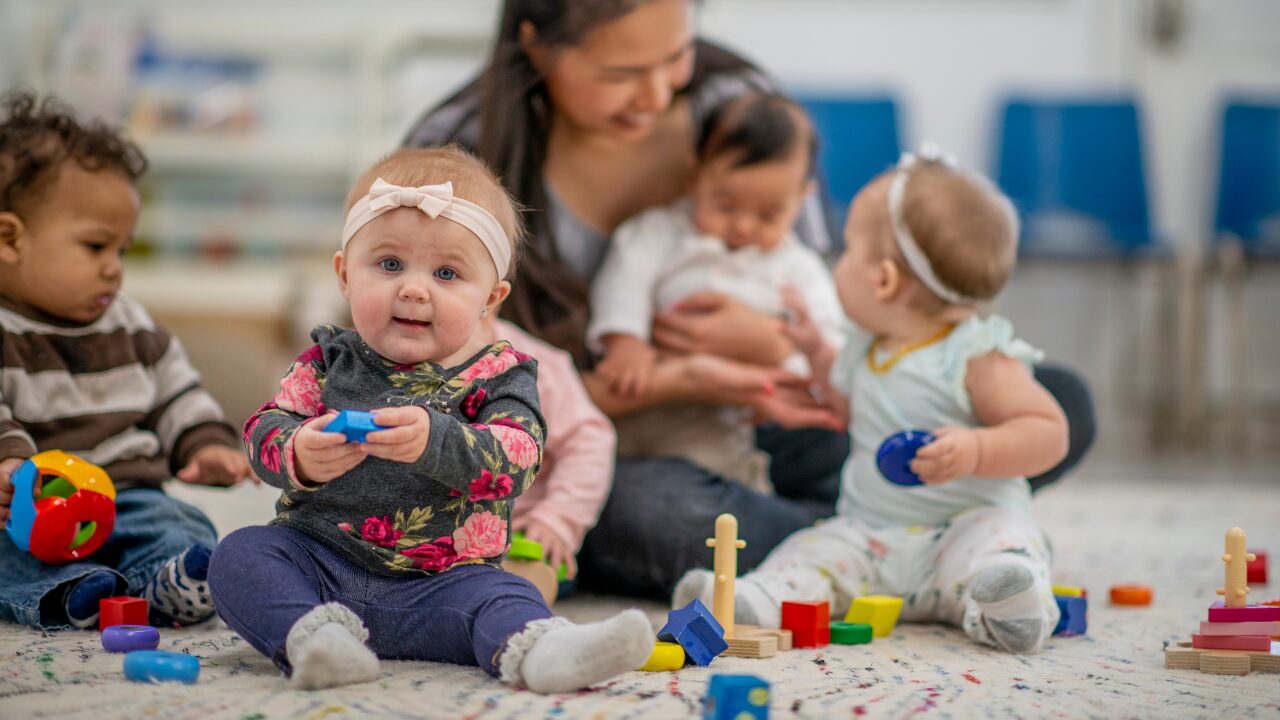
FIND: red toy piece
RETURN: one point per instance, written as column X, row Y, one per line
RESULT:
column 809, row 623
column 1257, row 568
column 121, row 610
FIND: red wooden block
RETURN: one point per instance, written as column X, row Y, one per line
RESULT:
column 1232, row 642
column 1257, row 570
column 809, row 623
column 121, row 610
column 1248, row 613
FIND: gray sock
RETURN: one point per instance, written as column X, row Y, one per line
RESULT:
column 1004, row 614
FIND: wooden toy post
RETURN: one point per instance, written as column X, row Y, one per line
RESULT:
column 1236, row 559
column 727, row 545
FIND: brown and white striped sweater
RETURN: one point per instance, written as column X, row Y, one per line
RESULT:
column 118, row 392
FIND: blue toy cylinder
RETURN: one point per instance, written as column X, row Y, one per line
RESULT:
column 161, row 666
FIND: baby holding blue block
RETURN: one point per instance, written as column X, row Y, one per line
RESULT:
column 391, row 547
column 926, row 243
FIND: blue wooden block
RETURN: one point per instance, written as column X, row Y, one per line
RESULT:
column 1073, row 620
column 697, row 631
column 354, row 424
column 730, row 697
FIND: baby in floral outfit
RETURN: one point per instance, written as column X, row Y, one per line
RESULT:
column 391, row 547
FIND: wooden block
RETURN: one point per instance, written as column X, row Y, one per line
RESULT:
column 809, row 622
column 879, row 611
column 751, row 644
column 1218, row 664
column 1266, row 627
column 1248, row 613
column 1182, row 658
column 540, row 574
column 784, row 639
column 665, row 656
column 1259, row 643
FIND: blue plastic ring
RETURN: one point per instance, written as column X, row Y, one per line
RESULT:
column 161, row 666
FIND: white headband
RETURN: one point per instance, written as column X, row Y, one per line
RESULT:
column 435, row 201
column 915, row 257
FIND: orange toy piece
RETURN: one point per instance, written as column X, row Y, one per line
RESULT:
column 1131, row 594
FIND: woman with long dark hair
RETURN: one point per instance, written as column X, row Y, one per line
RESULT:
column 591, row 111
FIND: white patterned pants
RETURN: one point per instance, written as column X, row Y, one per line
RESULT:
column 929, row 567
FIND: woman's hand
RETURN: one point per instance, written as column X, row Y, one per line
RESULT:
column 218, row 465
column 406, row 440
column 322, row 456
column 717, row 324
column 7, row 468
column 774, row 395
column 554, row 550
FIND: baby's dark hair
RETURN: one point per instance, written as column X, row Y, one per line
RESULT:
column 758, row 127
column 37, row 137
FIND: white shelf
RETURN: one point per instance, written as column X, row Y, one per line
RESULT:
column 246, row 155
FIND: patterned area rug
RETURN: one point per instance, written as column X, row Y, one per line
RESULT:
column 1166, row 534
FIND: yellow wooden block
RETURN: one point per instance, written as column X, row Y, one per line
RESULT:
column 1068, row 590
column 879, row 611
column 665, row 656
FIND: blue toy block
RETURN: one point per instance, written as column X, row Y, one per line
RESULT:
column 697, row 631
column 896, row 453
column 731, row 697
column 354, row 424
column 1073, row 620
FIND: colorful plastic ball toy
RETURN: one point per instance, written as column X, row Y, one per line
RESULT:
column 161, row 666
column 74, row 514
column 896, row 453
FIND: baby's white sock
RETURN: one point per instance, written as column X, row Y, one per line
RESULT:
column 556, row 656
column 751, row 604
column 326, row 649
column 1012, row 614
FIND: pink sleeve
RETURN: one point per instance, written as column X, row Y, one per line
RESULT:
column 577, row 468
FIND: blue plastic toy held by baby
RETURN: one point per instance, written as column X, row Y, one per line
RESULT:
column 896, row 453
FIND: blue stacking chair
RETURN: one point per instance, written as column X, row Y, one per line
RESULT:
column 858, row 139
column 1246, row 227
column 1074, row 167
column 1249, row 178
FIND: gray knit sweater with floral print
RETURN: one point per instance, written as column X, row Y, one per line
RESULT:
column 450, row 507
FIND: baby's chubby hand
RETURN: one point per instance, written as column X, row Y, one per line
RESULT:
column 7, row 466
column 219, row 465
column 321, row 456
column 405, row 440
column 954, row 454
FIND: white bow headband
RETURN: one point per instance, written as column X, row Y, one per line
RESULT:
column 435, row 201
column 915, row 257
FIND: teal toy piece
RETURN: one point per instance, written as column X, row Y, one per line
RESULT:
column 354, row 424
column 161, row 666
column 896, row 453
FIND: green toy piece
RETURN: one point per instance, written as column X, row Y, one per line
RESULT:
column 850, row 633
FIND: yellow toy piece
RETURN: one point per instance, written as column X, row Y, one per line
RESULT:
column 1236, row 561
column 1068, row 590
column 665, row 656
column 879, row 611
column 78, row 472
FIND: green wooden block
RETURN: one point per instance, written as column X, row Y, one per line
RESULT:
column 843, row 633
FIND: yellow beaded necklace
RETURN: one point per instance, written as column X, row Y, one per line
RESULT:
column 887, row 365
